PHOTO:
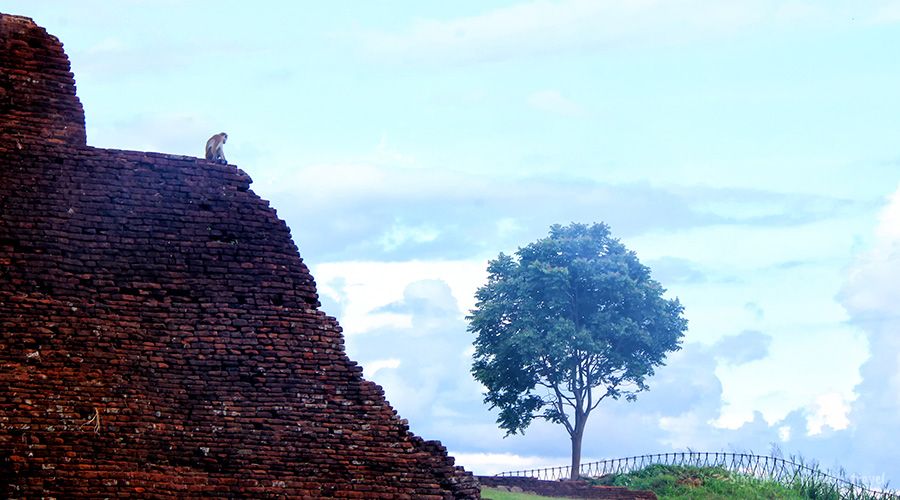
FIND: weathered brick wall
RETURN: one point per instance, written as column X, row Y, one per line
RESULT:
column 160, row 335
column 37, row 90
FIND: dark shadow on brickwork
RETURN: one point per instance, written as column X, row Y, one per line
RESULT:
column 160, row 333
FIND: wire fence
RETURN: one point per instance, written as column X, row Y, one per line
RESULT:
column 758, row 466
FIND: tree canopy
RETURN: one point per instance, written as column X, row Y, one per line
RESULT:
column 571, row 320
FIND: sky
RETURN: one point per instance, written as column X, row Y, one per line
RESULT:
column 748, row 151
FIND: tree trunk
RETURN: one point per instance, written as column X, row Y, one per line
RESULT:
column 576, row 448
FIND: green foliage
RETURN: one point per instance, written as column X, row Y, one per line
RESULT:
column 681, row 482
column 686, row 482
column 572, row 319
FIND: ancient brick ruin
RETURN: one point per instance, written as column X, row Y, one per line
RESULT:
column 159, row 333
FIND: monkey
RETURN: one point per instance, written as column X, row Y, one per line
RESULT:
column 214, row 148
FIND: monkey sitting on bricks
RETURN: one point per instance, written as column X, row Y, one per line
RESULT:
column 214, row 147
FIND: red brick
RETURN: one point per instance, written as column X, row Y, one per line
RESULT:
column 142, row 352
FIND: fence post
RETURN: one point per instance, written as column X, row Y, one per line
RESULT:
column 763, row 467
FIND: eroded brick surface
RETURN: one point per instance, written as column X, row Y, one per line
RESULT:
column 37, row 88
column 160, row 333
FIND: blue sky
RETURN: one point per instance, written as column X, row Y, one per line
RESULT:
column 748, row 151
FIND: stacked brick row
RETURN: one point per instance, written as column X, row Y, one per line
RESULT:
column 37, row 90
column 160, row 336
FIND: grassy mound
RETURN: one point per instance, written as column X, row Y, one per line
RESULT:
column 686, row 482
column 711, row 482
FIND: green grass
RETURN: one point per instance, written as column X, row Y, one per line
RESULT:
column 494, row 494
column 671, row 482
column 713, row 483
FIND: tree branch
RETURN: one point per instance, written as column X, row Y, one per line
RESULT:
column 590, row 389
column 609, row 390
column 559, row 393
column 562, row 413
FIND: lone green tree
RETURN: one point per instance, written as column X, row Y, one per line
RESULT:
column 573, row 319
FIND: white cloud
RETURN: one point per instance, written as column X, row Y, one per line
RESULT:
column 169, row 132
column 365, row 287
column 784, row 433
column 888, row 230
column 106, row 46
column 794, row 12
column 361, row 210
column 508, row 226
column 688, row 430
column 371, row 368
column 546, row 26
column 385, row 154
column 748, row 346
column 788, row 379
column 871, row 295
column 324, row 182
column 873, row 284
column 552, row 101
column 367, row 180
column 732, row 419
column 400, row 234
column 486, row 464
column 887, row 13
column 829, row 410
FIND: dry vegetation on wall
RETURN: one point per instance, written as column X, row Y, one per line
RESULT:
column 161, row 334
